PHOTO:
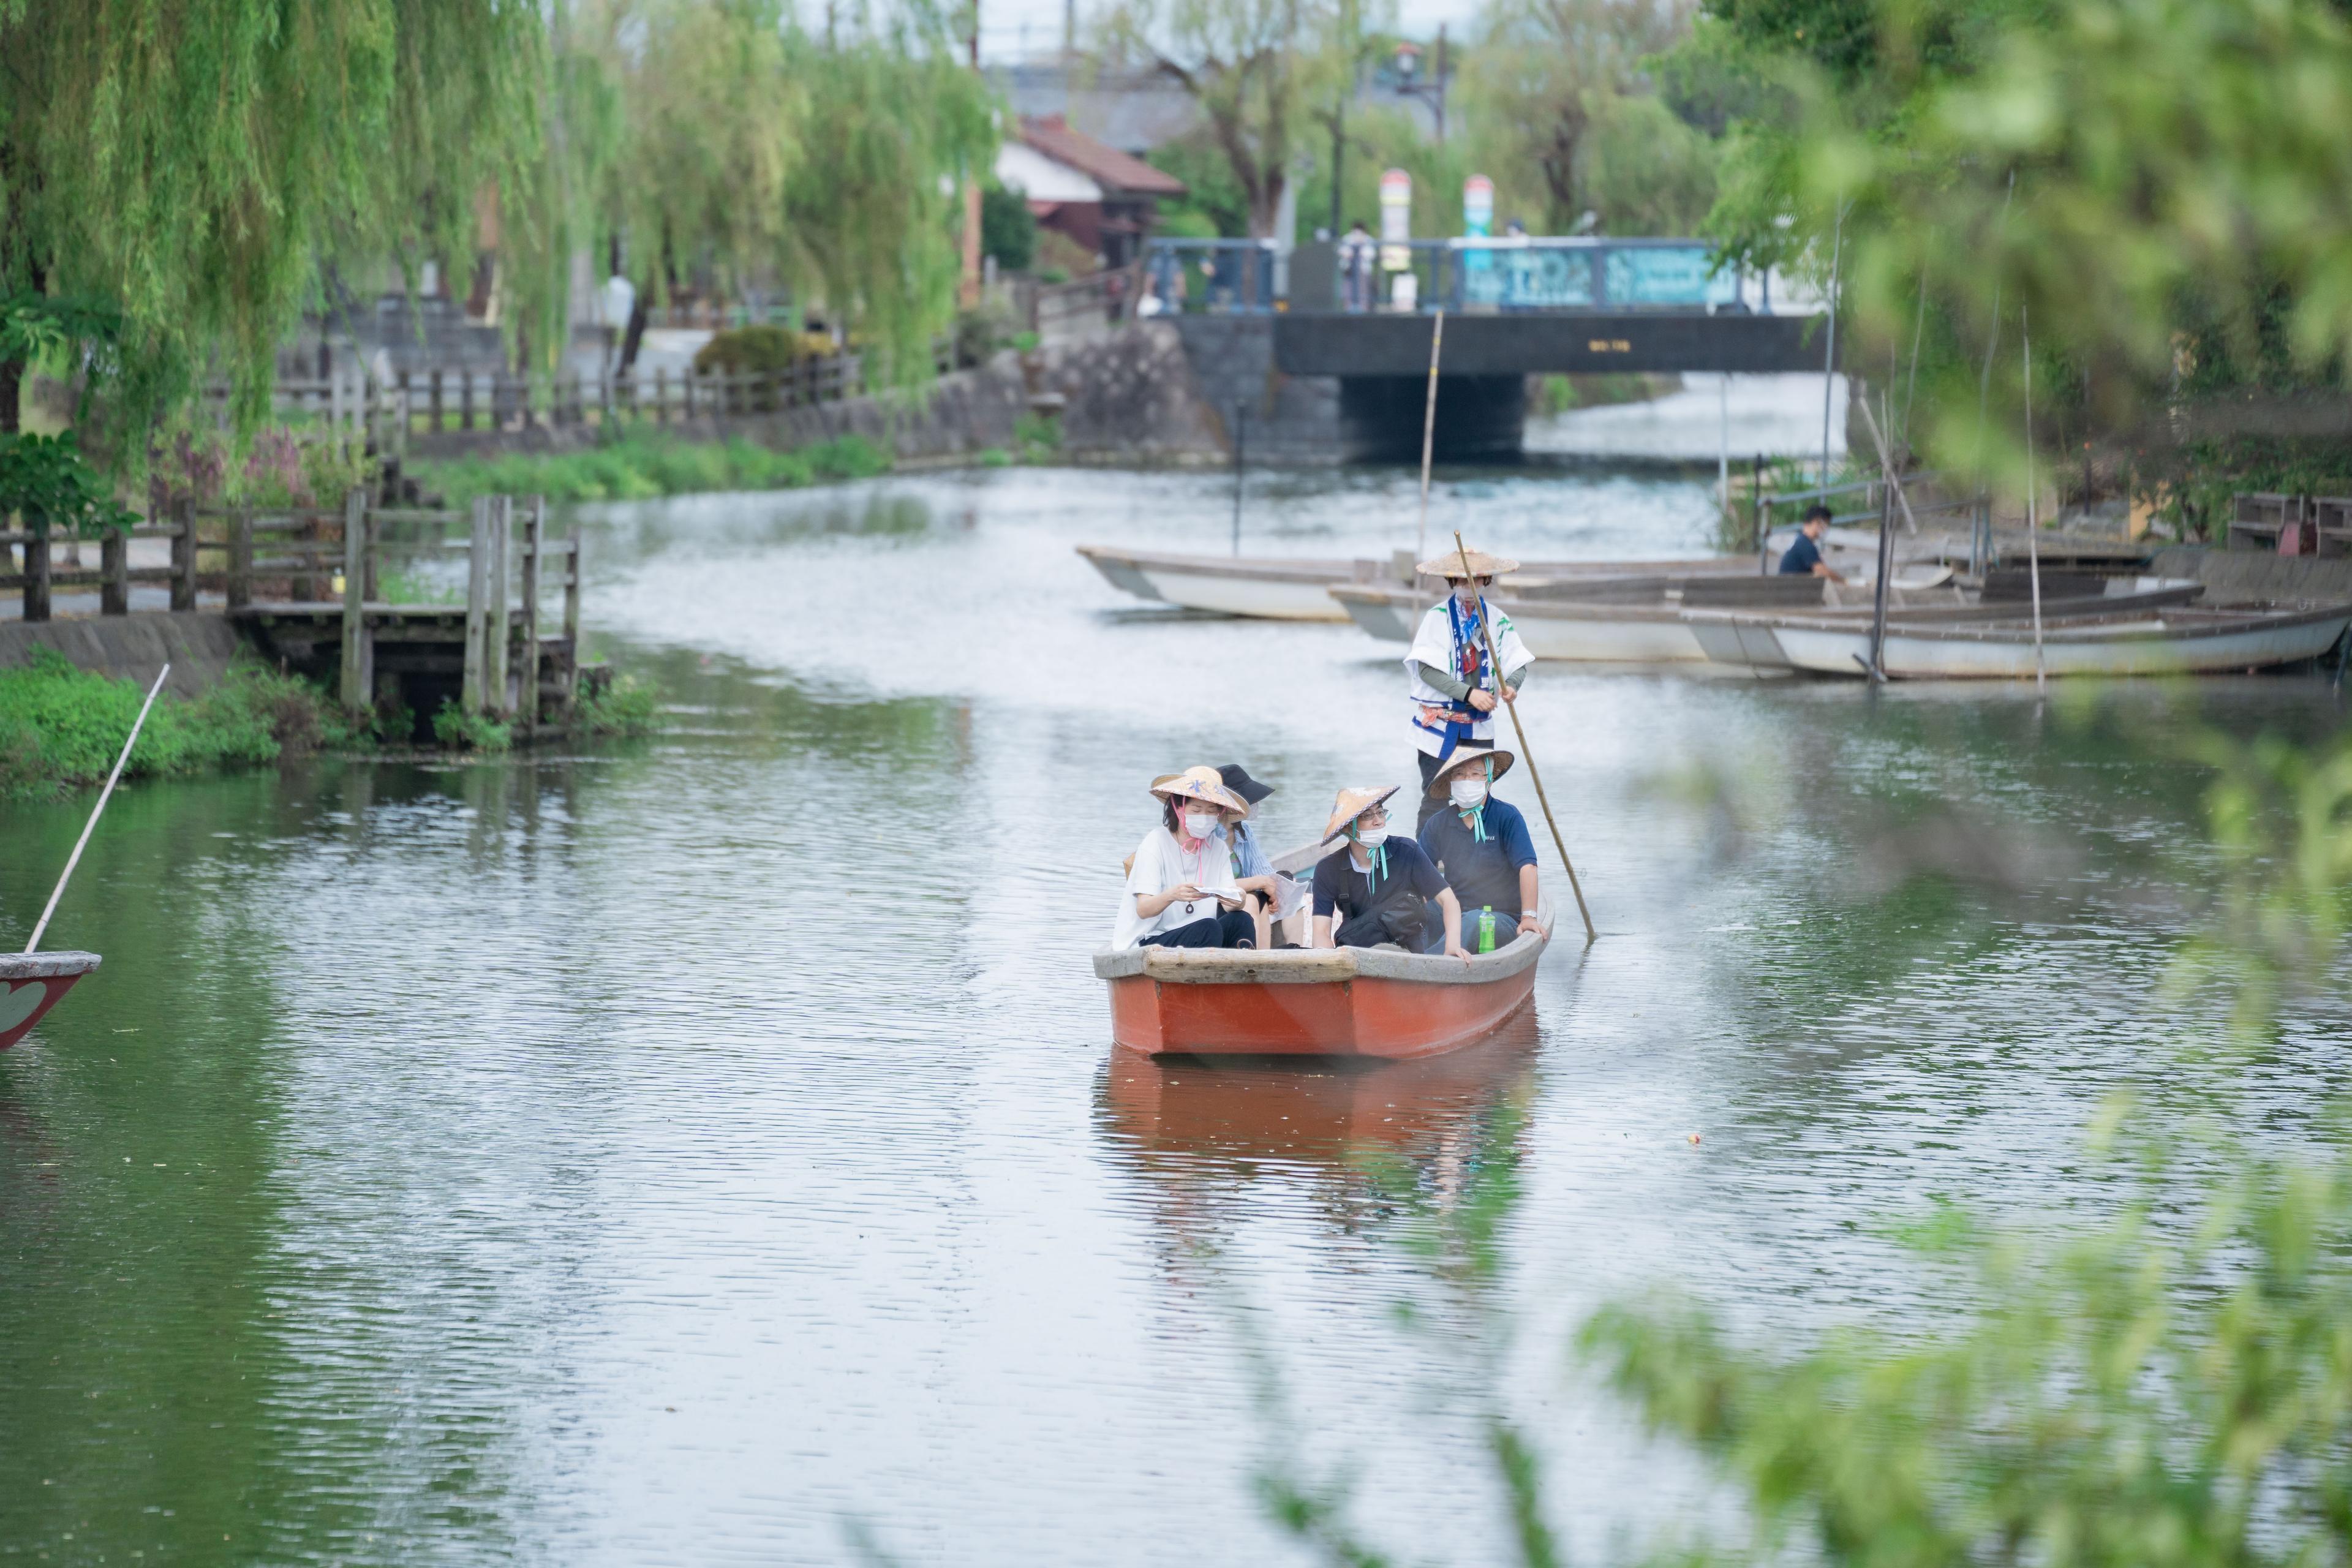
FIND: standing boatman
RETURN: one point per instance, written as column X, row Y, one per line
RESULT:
column 1448, row 677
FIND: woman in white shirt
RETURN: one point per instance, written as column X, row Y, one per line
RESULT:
column 1181, row 891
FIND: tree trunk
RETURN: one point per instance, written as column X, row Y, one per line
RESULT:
column 12, row 384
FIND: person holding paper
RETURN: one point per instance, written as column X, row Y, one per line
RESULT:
column 1180, row 887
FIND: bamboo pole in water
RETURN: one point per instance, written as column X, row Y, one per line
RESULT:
column 103, row 797
column 2032, row 512
column 1428, row 436
column 1495, row 667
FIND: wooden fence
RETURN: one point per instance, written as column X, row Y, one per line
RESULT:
column 314, row 563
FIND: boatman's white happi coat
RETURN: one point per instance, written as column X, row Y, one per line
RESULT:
column 1434, row 645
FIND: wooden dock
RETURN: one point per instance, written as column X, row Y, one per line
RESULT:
column 307, row 587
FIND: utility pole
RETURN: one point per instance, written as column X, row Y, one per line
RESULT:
column 971, row 291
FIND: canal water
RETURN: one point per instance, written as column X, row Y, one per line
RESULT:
column 708, row 1149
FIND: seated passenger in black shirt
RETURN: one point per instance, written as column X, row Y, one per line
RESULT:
column 1380, row 888
column 1804, row 557
column 1482, row 846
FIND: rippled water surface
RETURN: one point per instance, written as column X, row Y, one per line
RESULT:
column 709, row 1148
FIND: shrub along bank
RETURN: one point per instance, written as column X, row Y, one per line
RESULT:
column 61, row 728
column 642, row 467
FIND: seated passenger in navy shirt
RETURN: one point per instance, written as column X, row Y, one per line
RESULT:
column 1381, row 889
column 1481, row 845
column 1804, row 557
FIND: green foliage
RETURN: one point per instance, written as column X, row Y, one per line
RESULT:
column 1252, row 68
column 1037, row 435
column 1008, row 230
column 626, row 706
column 640, row 466
column 44, row 480
column 282, row 463
column 459, row 731
column 894, row 119
column 2157, row 1389
column 2155, row 187
column 61, row 727
column 1563, row 114
column 756, row 349
column 194, row 166
column 994, row 457
column 1214, row 206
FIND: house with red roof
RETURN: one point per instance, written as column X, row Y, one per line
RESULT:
column 1100, row 198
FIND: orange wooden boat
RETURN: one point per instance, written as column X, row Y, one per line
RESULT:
column 1381, row 1003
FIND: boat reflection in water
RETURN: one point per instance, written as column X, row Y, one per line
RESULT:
column 1211, row 1135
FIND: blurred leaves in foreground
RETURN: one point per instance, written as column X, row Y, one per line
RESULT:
column 2166, row 1381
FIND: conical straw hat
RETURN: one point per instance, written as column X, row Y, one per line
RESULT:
column 1481, row 565
column 1351, row 804
column 1440, row 782
column 1204, row 784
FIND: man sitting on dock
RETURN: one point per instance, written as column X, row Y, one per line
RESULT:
column 1804, row 557
column 1483, row 846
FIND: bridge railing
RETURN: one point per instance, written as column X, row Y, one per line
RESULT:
column 1515, row 272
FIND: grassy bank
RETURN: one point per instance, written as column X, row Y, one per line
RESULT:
column 61, row 728
column 640, row 466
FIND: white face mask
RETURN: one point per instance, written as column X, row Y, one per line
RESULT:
column 1200, row 823
column 1372, row 838
column 1469, row 792
column 1466, row 596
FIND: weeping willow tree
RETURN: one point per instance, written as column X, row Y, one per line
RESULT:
column 176, row 179
column 185, row 170
column 725, row 142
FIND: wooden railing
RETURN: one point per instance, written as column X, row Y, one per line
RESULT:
column 315, row 561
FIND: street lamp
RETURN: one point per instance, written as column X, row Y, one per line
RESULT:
column 1406, row 67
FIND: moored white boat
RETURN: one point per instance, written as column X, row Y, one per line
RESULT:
column 1299, row 589
column 1630, row 619
column 2165, row 640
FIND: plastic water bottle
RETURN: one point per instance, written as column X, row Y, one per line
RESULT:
column 1486, row 927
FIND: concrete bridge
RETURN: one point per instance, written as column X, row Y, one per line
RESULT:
column 1360, row 320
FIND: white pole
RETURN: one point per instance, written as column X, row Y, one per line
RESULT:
column 2032, row 510
column 1828, row 360
column 75, row 858
column 1429, row 435
column 1722, row 451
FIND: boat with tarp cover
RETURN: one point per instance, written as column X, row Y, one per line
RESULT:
column 31, row 984
column 1378, row 1003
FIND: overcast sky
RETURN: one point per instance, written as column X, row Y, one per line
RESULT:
column 1013, row 29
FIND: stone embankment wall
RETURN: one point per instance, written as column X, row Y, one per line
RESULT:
column 199, row 645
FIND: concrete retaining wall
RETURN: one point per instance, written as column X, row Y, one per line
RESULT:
column 199, row 644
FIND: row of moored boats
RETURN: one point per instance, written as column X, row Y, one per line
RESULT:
column 2095, row 614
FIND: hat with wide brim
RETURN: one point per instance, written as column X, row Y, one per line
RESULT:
column 1351, row 804
column 1237, row 780
column 1440, row 782
column 1481, row 565
column 1201, row 784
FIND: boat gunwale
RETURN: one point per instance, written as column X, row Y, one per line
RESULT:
column 47, row 965
column 2127, row 622
column 1324, row 966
